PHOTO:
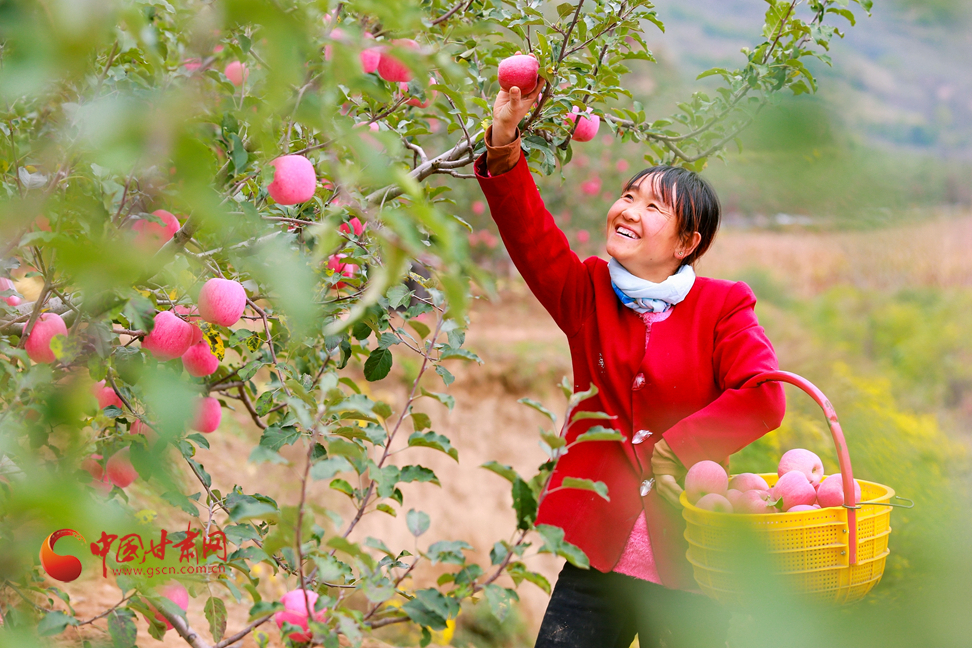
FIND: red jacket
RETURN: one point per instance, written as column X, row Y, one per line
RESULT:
column 694, row 364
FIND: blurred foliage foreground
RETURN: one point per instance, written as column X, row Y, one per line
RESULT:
column 117, row 115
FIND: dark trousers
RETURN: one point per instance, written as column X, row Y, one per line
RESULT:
column 591, row 609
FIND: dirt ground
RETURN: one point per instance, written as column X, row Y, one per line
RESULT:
column 525, row 355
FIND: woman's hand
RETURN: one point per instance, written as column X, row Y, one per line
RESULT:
column 668, row 470
column 509, row 108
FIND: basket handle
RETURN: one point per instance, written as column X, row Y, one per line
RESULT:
column 843, row 457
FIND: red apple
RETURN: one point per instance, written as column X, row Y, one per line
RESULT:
column 295, row 611
column 207, row 416
column 6, row 284
column 199, row 360
column 703, row 478
column 369, row 59
column 170, row 338
column 587, row 128
column 583, row 236
column 794, row 489
column 804, row 461
column 591, row 187
column 237, row 73
column 392, row 69
column 120, row 470
column 714, row 502
column 748, row 481
column 294, row 180
column 802, row 507
column 478, row 207
column 176, row 593
column 38, row 345
column 758, row 502
column 734, row 496
column 222, row 301
column 106, row 395
column 150, row 235
column 519, row 70
column 190, row 314
column 100, row 481
column 353, row 225
column 337, row 266
column 831, row 491
column 430, row 95
column 138, row 427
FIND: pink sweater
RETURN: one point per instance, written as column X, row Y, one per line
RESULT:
column 637, row 558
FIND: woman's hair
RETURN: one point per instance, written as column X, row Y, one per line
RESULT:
column 696, row 204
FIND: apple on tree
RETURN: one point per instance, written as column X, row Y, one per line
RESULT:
column 170, row 338
column 38, row 345
column 295, row 605
column 294, row 180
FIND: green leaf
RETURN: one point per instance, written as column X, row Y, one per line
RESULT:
column 529, row 402
column 264, row 403
column 502, row 470
column 445, row 374
column 448, row 551
column 586, row 484
column 465, row 354
column 385, row 508
column 121, row 628
column 445, row 399
column 419, row 474
column 274, row 438
column 500, row 600
column 328, row 468
column 378, row 364
column 399, row 296
column 342, row 486
column 431, row 608
column 54, row 623
column 582, row 416
column 249, row 370
column 554, row 543
column 420, row 421
column 417, row 521
column 524, row 503
column 599, row 433
column 420, row 328
column 432, row 440
column 215, row 611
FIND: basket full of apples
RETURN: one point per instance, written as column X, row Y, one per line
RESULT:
column 825, row 536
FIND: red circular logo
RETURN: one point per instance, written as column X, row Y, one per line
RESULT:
column 62, row 568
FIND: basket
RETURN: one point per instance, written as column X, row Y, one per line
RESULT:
column 834, row 554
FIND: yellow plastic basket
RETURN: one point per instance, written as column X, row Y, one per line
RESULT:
column 833, row 554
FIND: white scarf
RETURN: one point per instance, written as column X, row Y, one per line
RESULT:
column 645, row 296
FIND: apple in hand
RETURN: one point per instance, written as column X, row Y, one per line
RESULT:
column 38, row 345
column 804, row 461
column 294, row 180
column 295, row 605
column 519, row 70
column 703, row 478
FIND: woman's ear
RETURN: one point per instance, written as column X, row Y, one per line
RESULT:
column 688, row 247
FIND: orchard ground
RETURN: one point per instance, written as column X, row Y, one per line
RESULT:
column 527, row 359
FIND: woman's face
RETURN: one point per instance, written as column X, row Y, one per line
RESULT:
column 642, row 233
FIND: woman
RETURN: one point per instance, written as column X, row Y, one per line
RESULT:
column 668, row 352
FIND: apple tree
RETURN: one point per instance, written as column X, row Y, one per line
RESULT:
column 245, row 205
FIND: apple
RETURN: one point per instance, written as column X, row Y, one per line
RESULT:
column 237, row 73
column 199, row 360
column 336, row 34
column 207, row 416
column 38, row 345
column 337, row 266
column 803, row 460
column 106, row 395
column 178, row 595
column 583, row 236
column 415, row 101
column 703, row 478
column 370, row 58
column 794, row 489
column 120, row 470
column 392, row 69
column 6, row 284
column 519, row 70
column 150, row 235
column 138, row 427
column 190, row 314
column 747, row 482
column 295, row 604
column 734, row 496
column 831, row 491
column 100, row 481
column 714, row 502
column 587, row 128
column 170, row 338
column 294, row 180
column 353, row 225
column 591, row 187
column 757, row 502
column 802, row 507
column 222, row 301
column 478, row 207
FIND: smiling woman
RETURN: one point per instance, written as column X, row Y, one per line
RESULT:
column 668, row 353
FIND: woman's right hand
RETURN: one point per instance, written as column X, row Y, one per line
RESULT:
column 509, row 108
